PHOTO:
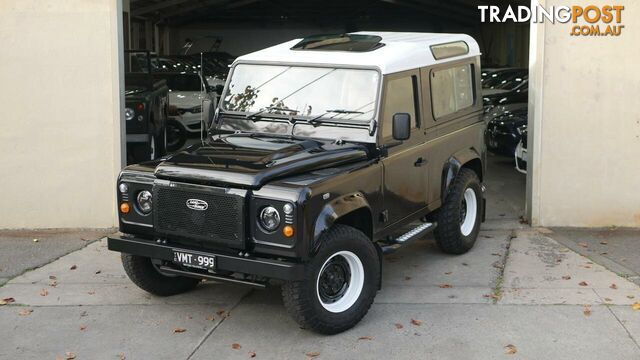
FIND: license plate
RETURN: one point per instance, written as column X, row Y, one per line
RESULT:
column 195, row 260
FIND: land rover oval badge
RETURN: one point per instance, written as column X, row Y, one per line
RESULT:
column 197, row 204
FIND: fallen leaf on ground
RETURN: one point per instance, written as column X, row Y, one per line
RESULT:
column 6, row 301
column 69, row 355
column 407, row 277
column 604, row 242
column 444, row 286
column 25, row 312
column 73, row 267
column 35, row 240
column 220, row 312
column 630, row 296
column 91, row 292
column 252, row 354
column 635, row 306
column 52, row 277
column 179, row 330
column 121, row 356
column 566, row 277
column 584, row 245
column 83, row 327
column 448, row 273
column 236, row 346
column 583, row 283
column 365, row 338
column 493, row 296
column 398, row 326
column 416, row 322
column 496, row 254
column 84, row 313
column 607, row 299
column 586, row 310
column 465, row 264
column 510, row 349
column 98, row 272
column 604, row 253
column 613, row 286
column 44, row 292
column 210, row 318
column 53, row 283
column 313, row 354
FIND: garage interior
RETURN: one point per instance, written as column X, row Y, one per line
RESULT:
column 170, row 28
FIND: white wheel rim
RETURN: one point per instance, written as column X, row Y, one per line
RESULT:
column 469, row 222
column 153, row 148
column 354, row 285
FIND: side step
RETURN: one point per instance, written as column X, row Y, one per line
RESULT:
column 172, row 271
column 412, row 234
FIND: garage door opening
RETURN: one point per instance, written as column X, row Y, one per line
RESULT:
column 170, row 36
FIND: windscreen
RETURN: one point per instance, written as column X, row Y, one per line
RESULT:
column 325, row 92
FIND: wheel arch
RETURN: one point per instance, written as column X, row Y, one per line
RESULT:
column 351, row 209
column 466, row 158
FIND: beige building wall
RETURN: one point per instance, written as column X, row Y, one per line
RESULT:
column 60, row 126
column 586, row 124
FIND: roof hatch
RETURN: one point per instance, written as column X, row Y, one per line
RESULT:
column 340, row 42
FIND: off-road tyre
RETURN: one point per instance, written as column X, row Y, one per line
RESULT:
column 145, row 275
column 302, row 298
column 449, row 232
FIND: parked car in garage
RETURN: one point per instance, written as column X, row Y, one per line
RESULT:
column 146, row 102
column 495, row 77
column 186, row 93
column 323, row 154
column 519, row 94
column 521, row 154
column 502, row 133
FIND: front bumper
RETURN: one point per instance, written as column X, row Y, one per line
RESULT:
column 270, row 268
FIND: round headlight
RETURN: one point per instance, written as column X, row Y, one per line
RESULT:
column 144, row 201
column 269, row 218
column 123, row 187
column 129, row 113
column 287, row 208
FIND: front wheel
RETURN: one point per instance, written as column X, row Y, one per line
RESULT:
column 460, row 215
column 340, row 283
column 146, row 276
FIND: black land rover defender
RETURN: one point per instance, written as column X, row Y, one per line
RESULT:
column 322, row 156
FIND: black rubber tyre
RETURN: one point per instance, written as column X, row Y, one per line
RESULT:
column 302, row 298
column 448, row 233
column 176, row 135
column 143, row 273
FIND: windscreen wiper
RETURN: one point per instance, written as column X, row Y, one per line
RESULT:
column 263, row 110
column 336, row 111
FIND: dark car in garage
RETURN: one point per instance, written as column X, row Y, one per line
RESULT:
column 146, row 102
column 503, row 132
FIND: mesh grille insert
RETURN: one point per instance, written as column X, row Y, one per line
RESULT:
column 220, row 223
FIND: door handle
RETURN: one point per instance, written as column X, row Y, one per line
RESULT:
column 420, row 162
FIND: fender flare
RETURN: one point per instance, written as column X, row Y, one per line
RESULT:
column 452, row 166
column 334, row 210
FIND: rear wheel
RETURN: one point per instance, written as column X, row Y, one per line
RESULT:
column 340, row 283
column 176, row 135
column 460, row 215
column 146, row 276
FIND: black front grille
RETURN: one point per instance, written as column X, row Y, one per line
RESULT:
column 221, row 223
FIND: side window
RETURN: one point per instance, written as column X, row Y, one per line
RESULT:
column 451, row 90
column 400, row 97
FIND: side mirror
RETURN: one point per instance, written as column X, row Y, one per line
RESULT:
column 208, row 110
column 401, row 126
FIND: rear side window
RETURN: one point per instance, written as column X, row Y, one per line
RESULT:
column 451, row 90
column 399, row 98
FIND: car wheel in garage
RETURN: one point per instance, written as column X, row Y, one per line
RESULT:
column 176, row 135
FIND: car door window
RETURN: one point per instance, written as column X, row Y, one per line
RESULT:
column 400, row 97
column 451, row 90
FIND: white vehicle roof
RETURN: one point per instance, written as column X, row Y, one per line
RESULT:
column 401, row 51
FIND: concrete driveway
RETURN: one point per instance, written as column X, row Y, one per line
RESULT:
column 517, row 294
